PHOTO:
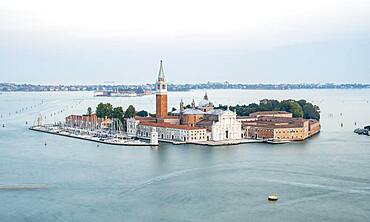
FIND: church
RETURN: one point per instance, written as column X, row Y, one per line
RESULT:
column 199, row 123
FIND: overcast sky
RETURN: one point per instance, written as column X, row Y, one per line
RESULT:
column 247, row 41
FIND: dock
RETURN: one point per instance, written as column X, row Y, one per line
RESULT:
column 109, row 141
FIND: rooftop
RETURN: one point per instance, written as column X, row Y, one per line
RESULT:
column 220, row 112
column 264, row 124
column 269, row 113
column 173, row 126
column 193, row 112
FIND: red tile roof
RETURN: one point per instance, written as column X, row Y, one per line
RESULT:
column 168, row 125
column 269, row 113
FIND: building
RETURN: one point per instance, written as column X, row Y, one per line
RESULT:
column 205, row 105
column 224, row 126
column 272, row 114
column 280, row 128
column 161, row 95
column 172, row 132
column 88, row 121
column 195, row 124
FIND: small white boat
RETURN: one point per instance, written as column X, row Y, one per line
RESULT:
column 275, row 141
column 272, row 197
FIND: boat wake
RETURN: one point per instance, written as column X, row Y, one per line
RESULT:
column 325, row 187
column 157, row 179
column 25, row 186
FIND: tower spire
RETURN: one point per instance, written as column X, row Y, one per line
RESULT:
column 205, row 96
column 161, row 73
column 181, row 106
column 193, row 104
column 161, row 95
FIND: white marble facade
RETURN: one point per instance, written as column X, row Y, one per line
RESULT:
column 227, row 127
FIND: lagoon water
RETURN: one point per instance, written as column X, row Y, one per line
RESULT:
column 326, row 178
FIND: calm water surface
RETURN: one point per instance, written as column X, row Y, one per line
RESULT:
column 326, row 178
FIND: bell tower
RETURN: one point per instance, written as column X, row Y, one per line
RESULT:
column 161, row 95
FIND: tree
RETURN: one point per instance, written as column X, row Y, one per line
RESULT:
column 142, row 113
column 302, row 102
column 130, row 112
column 89, row 111
column 223, row 107
column 104, row 110
column 300, row 108
column 292, row 107
column 269, row 105
column 311, row 111
column 118, row 113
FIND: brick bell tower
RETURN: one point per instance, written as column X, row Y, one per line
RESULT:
column 161, row 95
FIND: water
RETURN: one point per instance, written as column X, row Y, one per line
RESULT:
column 326, row 178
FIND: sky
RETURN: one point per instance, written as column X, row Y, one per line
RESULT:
column 246, row 41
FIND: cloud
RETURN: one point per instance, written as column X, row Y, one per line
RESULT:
column 241, row 41
column 256, row 21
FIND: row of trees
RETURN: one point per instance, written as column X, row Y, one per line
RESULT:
column 300, row 108
column 107, row 110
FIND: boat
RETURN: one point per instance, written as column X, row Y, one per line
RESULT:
column 272, row 197
column 276, row 141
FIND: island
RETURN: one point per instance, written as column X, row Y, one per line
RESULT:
column 270, row 121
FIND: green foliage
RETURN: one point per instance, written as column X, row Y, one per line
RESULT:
column 300, row 108
column 311, row 111
column 292, row 107
column 269, row 105
column 118, row 113
column 130, row 112
column 142, row 113
column 104, row 110
column 220, row 106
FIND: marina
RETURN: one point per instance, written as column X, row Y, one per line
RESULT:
column 99, row 137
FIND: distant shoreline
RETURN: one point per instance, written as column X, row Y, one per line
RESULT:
column 12, row 87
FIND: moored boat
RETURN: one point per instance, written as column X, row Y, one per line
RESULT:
column 272, row 197
column 275, row 141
